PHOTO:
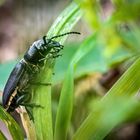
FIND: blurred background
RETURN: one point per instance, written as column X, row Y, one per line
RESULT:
column 117, row 24
column 23, row 22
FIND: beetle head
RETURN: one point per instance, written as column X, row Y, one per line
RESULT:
column 51, row 43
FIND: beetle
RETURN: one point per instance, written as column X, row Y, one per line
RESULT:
column 16, row 89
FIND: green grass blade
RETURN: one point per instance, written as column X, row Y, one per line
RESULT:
column 129, row 83
column 65, row 22
column 86, row 46
column 13, row 127
column 2, row 137
column 65, row 107
column 66, row 99
column 91, row 63
column 107, row 114
column 43, row 117
column 95, row 125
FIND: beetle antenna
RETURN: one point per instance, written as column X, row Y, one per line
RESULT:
column 65, row 34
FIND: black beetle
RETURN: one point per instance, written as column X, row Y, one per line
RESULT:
column 16, row 89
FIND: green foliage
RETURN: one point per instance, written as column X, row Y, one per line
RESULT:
column 116, row 107
column 13, row 127
column 64, row 23
column 107, row 114
column 113, row 40
column 2, row 137
column 123, row 7
column 66, row 99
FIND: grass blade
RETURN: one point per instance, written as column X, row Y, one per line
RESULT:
column 13, row 127
column 43, row 117
column 2, row 137
column 95, row 125
column 66, row 99
column 66, row 21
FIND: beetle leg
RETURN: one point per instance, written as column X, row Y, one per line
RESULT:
column 29, row 111
column 61, row 46
column 56, row 50
column 33, row 68
column 55, row 53
column 23, row 98
column 30, row 114
column 42, row 59
column 55, row 56
column 32, row 105
column 42, row 84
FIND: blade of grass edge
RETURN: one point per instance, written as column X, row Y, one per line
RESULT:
column 128, row 85
column 65, row 21
column 43, row 117
column 2, row 137
column 11, row 124
column 65, row 106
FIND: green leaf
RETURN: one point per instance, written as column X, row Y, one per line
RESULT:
column 13, row 127
column 107, row 114
column 2, row 137
column 89, row 64
column 43, row 117
column 131, row 37
column 65, row 107
column 122, row 11
column 65, row 22
column 117, row 2
column 110, row 111
column 66, row 98
column 91, row 12
column 94, row 61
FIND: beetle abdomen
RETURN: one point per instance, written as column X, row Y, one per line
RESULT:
column 13, row 81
